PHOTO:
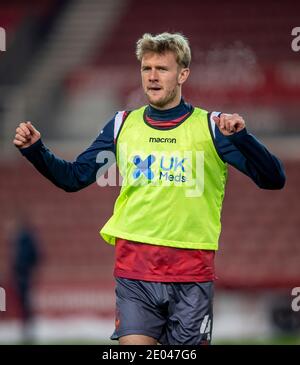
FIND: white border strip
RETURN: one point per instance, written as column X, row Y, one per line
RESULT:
column 212, row 122
column 118, row 122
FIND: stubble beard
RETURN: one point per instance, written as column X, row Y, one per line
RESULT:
column 161, row 103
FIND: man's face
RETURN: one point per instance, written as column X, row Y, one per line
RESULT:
column 162, row 78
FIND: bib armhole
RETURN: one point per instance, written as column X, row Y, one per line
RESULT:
column 119, row 122
column 212, row 130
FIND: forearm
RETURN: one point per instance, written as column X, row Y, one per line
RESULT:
column 262, row 166
column 72, row 176
column 58, row 171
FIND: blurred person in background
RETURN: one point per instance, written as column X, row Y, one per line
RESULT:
column 25, row 260
column 165, row 224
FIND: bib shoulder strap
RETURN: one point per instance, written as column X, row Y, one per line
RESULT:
column 119, row 121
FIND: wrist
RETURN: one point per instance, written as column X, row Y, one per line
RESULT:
column 237, row 135
column 35, row 146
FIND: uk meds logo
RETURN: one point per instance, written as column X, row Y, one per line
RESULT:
column 169, row 168
column 172, row 169
column 143, row 167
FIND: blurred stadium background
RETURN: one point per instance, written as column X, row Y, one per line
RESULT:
column 68, row 66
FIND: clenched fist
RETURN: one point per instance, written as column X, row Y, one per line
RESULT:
column 26, row 135
column 229, row 123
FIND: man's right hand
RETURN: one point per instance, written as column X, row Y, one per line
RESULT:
column 26, row 135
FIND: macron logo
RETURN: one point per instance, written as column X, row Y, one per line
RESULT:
column 162, row 140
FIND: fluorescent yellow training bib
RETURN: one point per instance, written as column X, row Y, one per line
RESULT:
column 173, row 184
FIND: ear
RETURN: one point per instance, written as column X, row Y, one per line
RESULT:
column 183, row 75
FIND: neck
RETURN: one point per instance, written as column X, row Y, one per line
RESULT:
column 169, row 106
column 169, row 114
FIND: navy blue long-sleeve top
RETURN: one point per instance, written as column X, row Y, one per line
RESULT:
column 241, row 150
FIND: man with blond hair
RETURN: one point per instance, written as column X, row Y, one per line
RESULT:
column 166, row 223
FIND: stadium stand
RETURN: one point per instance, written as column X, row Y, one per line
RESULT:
column 246, row 43
column 14, row 13
column 10, row 17
column 206, row 24
column 242, row 57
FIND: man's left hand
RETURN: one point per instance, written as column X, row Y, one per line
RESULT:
column 229, row 123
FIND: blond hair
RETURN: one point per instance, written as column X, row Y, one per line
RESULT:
column 164, row 42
